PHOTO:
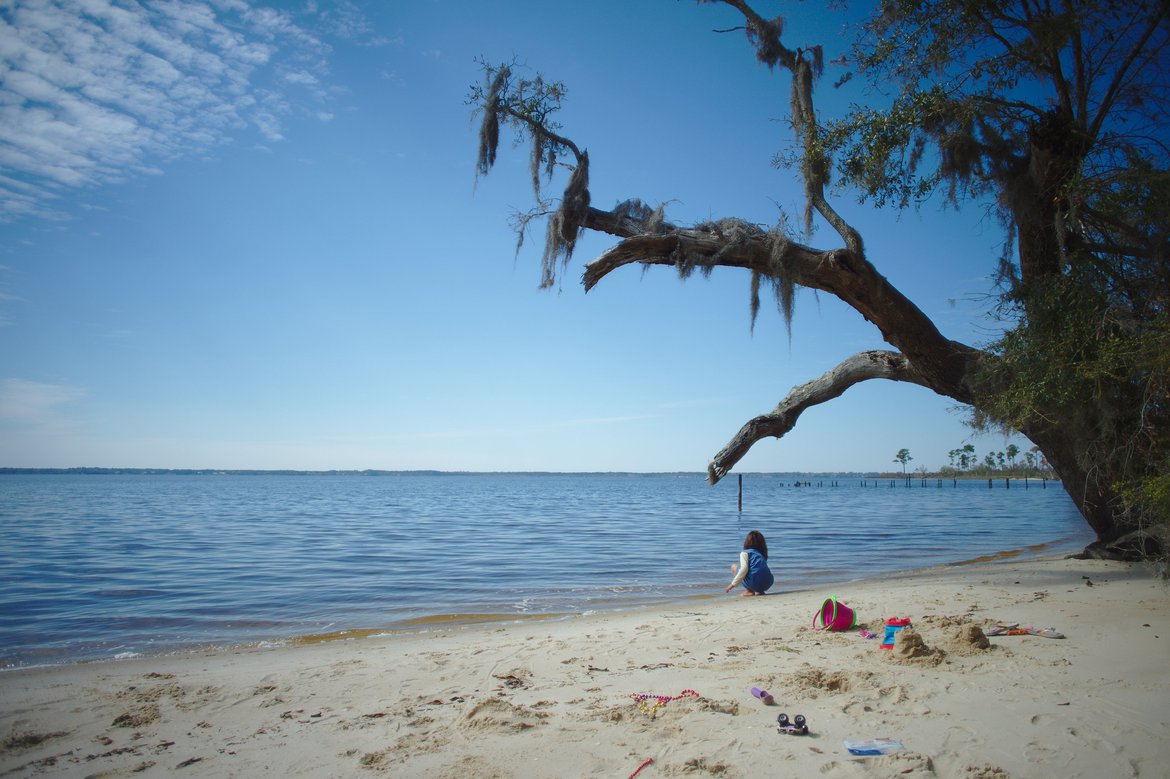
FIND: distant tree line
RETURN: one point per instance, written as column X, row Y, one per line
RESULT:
column 966, row 461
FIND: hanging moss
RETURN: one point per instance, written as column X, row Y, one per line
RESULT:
column 489, row 128
column 536, row 157
column 566, row 222
column 765, row 34
column 653, row 220
column 780, row 261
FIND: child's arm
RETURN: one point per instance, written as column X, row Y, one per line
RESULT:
column 741, row 573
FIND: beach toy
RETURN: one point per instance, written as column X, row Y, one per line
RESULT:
column 893, row 625
column 645, row 763
column 834, row 615
column 763, row 695
column 1016, row 630
column 643, row 700
column 798, row 726
column 872, row 746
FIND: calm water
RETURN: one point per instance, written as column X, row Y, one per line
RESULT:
column 100, row 566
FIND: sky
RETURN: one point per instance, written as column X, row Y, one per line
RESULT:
column 247, row 235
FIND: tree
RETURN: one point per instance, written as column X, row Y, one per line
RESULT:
column 1013, row 452
column 903, row 456
column 1051, row 116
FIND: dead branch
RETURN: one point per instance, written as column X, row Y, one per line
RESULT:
column 832, row 384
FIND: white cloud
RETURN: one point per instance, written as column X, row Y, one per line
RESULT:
column 92, row 91
column 26, row 403
column 301, row 77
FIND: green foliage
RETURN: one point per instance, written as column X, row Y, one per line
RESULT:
column 1082, row 360
column 1054, row 115
column 1150, row 496
column 968, row 80
column 880, row 151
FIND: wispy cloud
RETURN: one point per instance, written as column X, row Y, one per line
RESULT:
column 93, row 91
column 346, row 20
column 25, row 404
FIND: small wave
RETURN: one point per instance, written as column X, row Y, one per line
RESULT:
column 1005, row 554
column 139, row 593
column 462, row 619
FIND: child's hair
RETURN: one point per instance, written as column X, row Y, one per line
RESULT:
column 755, row 540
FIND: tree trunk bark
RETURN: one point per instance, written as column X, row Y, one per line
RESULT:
column 1098, row 503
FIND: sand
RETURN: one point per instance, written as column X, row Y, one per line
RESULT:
column 553, row 698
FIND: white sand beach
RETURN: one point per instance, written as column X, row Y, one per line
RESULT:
column 545, row 698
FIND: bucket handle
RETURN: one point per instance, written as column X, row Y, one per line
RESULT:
column 821, row 613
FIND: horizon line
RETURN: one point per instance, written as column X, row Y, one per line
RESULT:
column 394, row 471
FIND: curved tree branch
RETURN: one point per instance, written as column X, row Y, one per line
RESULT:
column 832, row 384
column 838, row 272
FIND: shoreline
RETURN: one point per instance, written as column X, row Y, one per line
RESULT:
column 440, row 620
column 553, row 697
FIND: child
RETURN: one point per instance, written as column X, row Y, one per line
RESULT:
column 753, row 568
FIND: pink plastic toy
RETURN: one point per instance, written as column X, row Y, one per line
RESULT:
column 763, row 695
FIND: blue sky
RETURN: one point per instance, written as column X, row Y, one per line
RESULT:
column 247, row 235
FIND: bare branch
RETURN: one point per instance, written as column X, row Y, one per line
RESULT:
column 1123, row 71
column 805, row 66
column 775, row 424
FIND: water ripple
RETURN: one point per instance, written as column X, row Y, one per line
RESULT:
column 98, row 565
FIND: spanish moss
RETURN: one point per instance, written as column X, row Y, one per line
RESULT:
column 566, row 222
column 489, row 128
column 652, row 220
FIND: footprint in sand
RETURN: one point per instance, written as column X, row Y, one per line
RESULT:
column 502, row 716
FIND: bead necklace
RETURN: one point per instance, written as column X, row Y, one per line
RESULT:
column 659, row 701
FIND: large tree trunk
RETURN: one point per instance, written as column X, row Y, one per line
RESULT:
column 1036, row 197
column 1117, row 539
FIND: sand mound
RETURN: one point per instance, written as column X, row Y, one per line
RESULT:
column 968, row 640
column 809, row 682
column 910, row 648
column 952, row 635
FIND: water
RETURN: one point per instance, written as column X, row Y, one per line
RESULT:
column 101, row 566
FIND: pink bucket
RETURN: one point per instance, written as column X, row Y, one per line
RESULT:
column 834, row 615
